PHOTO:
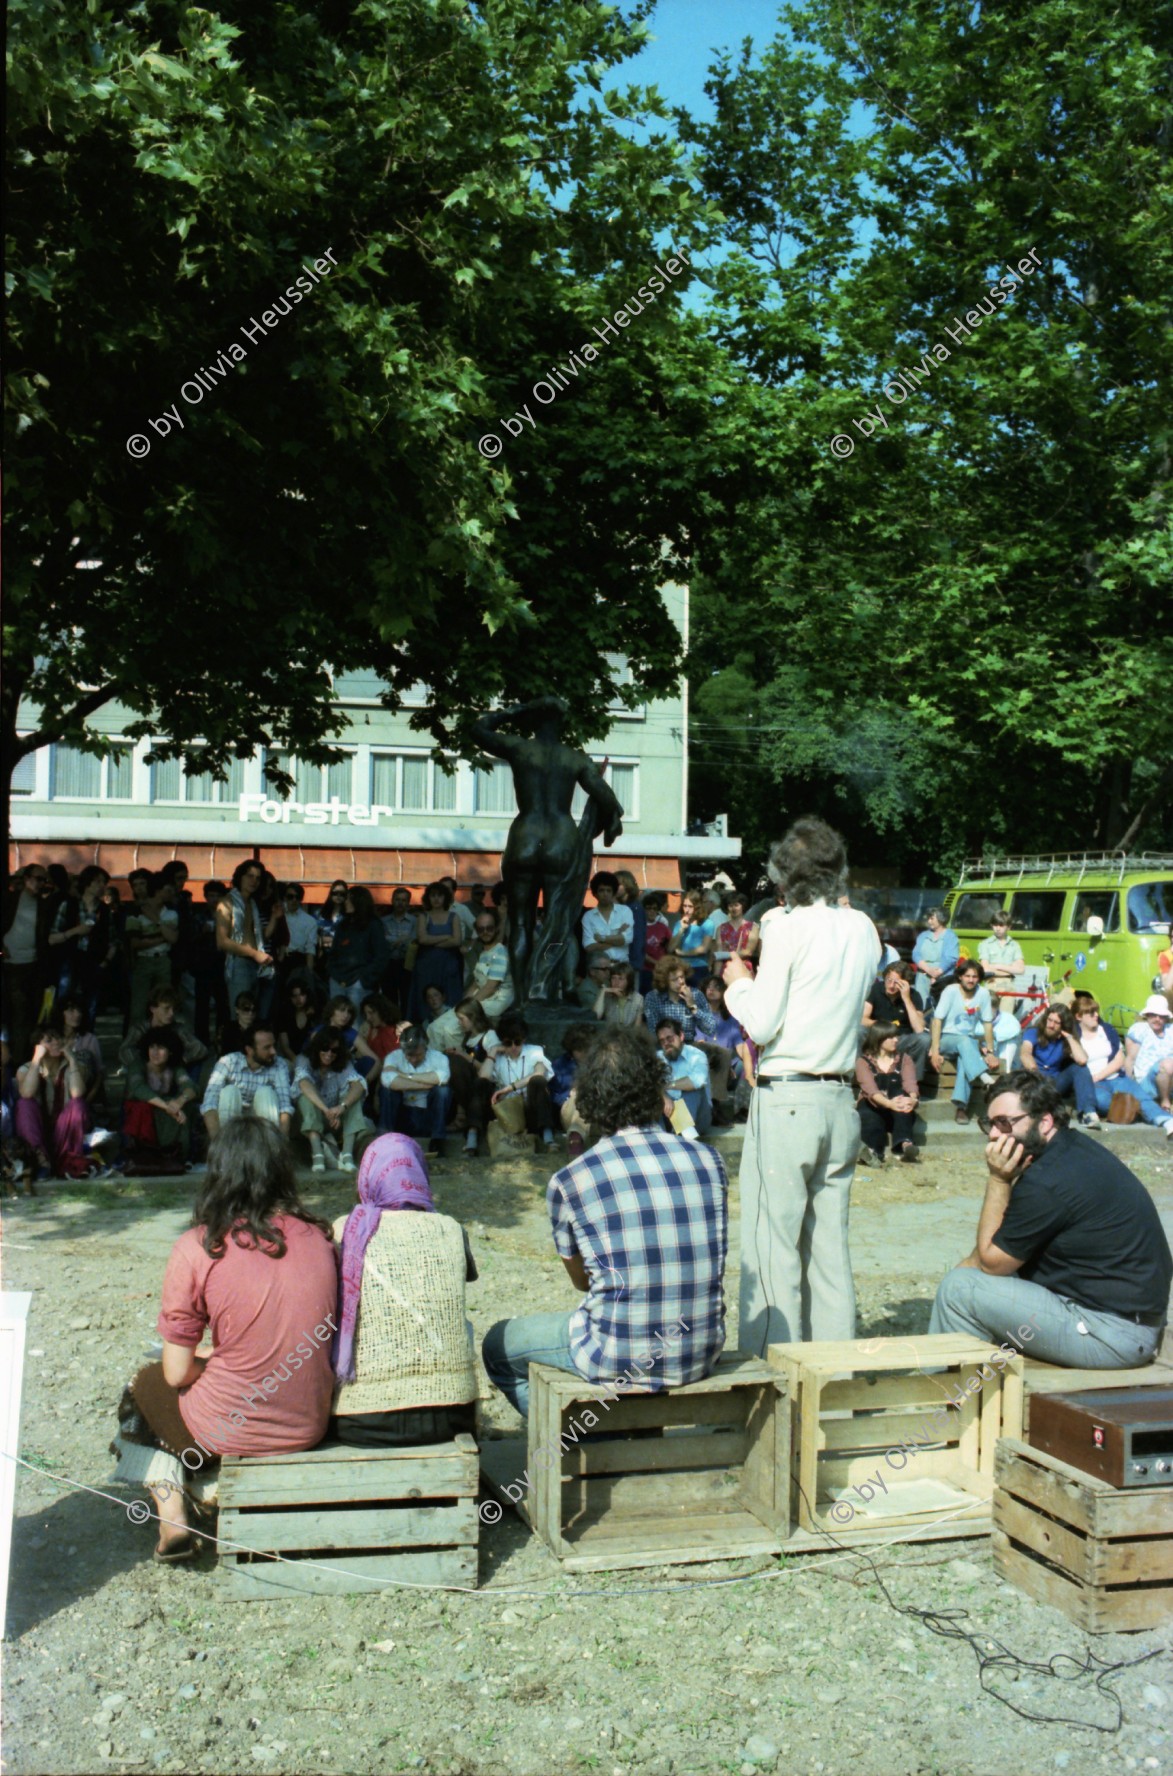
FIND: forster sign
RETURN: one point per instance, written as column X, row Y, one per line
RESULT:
column 331, row 813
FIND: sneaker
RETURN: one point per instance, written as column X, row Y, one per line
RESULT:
column 1089, row 1120
column 438, row 1149
column 961, row 1115
column 346, row 1163
column 318, row 1163
column 987, row 1079
column 869, row 1157
column 471, row 1141
column 1169, row 1129
column 909, row 1154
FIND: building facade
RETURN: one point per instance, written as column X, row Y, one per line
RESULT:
column 388, row 812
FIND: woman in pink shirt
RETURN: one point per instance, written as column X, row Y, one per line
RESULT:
column 259, row 1271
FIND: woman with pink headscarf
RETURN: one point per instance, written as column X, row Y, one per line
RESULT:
column 403, row 1355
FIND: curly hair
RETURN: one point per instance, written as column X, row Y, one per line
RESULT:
column 809, row 863
column 1066, row 1021
column 250, row 1178
column 665, row 968
column 1037, row 1095
column 620, row 1081
column 160, row 1036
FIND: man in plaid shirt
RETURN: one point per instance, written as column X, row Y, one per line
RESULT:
column 640, row 1222
column 255, row 1083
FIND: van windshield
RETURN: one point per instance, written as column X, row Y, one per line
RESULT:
column 1150, row 906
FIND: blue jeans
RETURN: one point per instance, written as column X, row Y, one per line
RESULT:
column 512, row 1345
column 970, row 1063
column 999, row 1308
column 397, row 1116
column 700, row 1108
column 1075, row 1082
column 1146, row 1091
column 1106, row 1089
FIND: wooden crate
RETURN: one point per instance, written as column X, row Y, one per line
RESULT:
column 348, row 1519
column 854, row 1402
column 1101, row 1554
column 1026, row 1376
column 709, row 1483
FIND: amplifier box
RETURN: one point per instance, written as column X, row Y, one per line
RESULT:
column 1121, row 1435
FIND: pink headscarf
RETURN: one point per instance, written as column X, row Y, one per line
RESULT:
column 393, row 1175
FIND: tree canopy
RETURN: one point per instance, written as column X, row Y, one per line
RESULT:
column 958, row 628
column 475, row 205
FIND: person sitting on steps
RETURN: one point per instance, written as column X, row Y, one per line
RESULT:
column 963, row 1007
column 887, row 1097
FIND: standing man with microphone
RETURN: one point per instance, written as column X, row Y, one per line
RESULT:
column 803, row 1010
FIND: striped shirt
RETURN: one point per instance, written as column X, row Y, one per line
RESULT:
column 647, row 1214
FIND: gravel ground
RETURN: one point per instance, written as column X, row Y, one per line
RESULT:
column 799, row 1664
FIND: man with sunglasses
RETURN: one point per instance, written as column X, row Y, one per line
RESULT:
column 1069, row 1242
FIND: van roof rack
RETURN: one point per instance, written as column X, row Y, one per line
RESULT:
column 1062, row 863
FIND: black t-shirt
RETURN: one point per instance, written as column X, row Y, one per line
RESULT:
column 1088, row 1229
column 888, row 1011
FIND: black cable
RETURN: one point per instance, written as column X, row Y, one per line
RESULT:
column 946, row 1623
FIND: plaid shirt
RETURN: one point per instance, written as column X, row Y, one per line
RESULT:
column 233, row 1069
column 658, row 1006
column 647, row 1214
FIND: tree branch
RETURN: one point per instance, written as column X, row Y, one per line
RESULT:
column 48, row 736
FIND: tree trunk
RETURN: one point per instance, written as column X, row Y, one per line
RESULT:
column 1112, row 799
column 1159, row 795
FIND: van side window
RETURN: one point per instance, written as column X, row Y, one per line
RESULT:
column 1038, row 909
column 973, row 912
column 1150, row 906
column 1100, row 903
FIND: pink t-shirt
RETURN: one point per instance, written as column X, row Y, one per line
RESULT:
column 268, row 1383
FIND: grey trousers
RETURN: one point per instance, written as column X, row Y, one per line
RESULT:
column 796, row 1170
column 1044, row 1325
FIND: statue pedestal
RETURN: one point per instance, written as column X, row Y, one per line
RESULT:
column 548, row 1023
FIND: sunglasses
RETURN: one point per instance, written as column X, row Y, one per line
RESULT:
column 1000, row 1125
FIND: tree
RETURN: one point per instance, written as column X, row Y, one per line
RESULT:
column 274, row 271
column 954, row 537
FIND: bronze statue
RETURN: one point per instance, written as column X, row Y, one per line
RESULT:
column 546, row 853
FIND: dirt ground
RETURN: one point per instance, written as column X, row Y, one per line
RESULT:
column 831, row 1662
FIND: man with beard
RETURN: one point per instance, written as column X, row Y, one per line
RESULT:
column 1068, row 1241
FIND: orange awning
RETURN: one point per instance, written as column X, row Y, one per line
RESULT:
column 380, row 868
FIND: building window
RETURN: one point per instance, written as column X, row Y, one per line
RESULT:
column 624, row 780
column 494, row 791
column 24, row 777
column 621, row 674
column 411, row 783
column 81, row 776
column 171, row 783
column 314, row 783
column 358, row 687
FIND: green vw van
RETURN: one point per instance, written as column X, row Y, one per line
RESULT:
column 1093, row 920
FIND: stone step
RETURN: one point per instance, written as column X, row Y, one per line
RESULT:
column 938, row 1134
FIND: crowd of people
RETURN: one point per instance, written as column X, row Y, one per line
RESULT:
column 333, row 1021
column 1070, row 1258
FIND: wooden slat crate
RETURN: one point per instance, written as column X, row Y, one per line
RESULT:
column 349, row 1519
column 1101, row 1554
column 1026, row 1376
column 852, row 1403
column 708, row 1483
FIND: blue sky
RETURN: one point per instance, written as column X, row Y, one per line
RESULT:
column 685, row 33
